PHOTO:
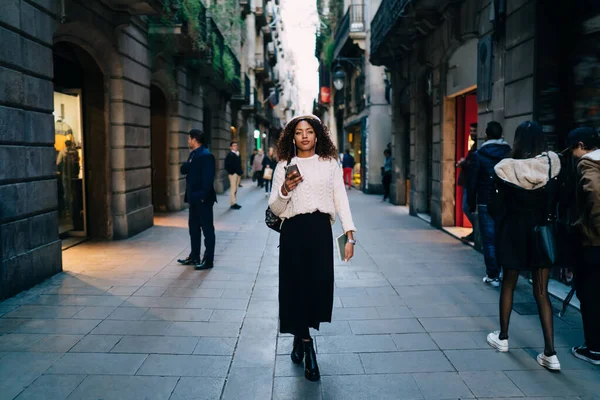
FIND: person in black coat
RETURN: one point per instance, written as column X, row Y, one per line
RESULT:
column 523, row 196
column 480, row 179
column 200, row 194
column 233, row 166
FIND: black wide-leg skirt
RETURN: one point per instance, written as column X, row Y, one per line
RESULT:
column 305, row 272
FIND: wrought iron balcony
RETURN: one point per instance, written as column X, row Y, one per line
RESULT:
column 175, row 32
column 137, row 7
column 267, row 34
column 398, row 24
column 262, row 68
column 352, row 27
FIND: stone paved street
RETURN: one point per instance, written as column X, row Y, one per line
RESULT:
column 125, row 321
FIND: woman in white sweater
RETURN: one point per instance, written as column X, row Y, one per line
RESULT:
column 307, row 200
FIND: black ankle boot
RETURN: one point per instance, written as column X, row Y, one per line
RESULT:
column 297, row 351
column 311, row 368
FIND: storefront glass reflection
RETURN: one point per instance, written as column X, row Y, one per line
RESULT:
column 68, row 143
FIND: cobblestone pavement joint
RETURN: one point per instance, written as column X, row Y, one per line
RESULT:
column 125, row 321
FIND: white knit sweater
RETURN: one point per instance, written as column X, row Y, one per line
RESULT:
column 322, row 190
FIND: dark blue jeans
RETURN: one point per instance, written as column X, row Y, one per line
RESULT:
column 465, row 208
column 201, row 220
column 488, row 241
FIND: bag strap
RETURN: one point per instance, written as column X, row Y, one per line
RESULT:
column 548, row 192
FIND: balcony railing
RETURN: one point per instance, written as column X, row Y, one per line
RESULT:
column 352, row 22
column 388, row 13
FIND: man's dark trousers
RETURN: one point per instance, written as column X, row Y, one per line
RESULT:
column 587, row 279
column 201, row 220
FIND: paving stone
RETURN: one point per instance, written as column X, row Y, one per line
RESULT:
column 333, row 328
column 150, row 328
column 156, row 302
column 360, row 387
column 372, row 301
column 414, row 342
column 403, row 362
column 406, row 325
column 177, row 314
column 217, row 304
column 491, row 360
column 10, row 325
column 295, row 388
column 128, row 313
column 94, row 312
column 185, row 365
column 329, row 364
column 96, row 344
column 460, row 324
column 249, row 383
column 125, row 388
column 19, row 370
column 355, row 344
column 198, row 389
column 51, row 387
column 98, row 364
column 43, row 312
column 260, row 327
column 19, row 341
column 442, row 385
column 100, row 301
column 214, row 346
column 65, row 326
column 394, row 312
column 254, row 352
column 490, row 384
column 545, row 384
column 358, row 313
column 56, row 343
column 218, row 329
column 200, row 292
column 156, row 345
column 150, row 291
column 228, row 316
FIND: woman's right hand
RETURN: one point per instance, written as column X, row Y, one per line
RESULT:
column 291, row 182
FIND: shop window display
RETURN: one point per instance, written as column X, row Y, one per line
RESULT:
column 68, row 142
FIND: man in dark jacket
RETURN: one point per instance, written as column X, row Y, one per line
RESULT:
column 479, row 190
column 585, row 143
column 200, row 194
column 233, row 166
column 463, row 178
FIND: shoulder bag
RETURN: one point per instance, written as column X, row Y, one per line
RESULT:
column 272, row 220
column 544, row 235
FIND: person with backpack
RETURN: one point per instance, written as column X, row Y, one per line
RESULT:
column 481, row 179
column 585, row 145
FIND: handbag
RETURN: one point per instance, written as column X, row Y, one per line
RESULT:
column 268, row 173
column 272, row 220
column 544, row 236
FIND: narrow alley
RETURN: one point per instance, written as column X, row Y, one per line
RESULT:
column 125, row 321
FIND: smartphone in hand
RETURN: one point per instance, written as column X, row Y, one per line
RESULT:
column 292, row 169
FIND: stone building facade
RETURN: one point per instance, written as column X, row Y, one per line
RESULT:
column 454, row 63
column 94, row 123
column 358, row 111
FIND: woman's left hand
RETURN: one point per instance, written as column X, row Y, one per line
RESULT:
column 348, row 252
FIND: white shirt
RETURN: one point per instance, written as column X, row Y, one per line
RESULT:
column 322, row 190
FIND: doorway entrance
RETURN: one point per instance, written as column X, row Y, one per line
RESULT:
column 355, row 145
column 159, row 148
column 81, row 144
column 466, row 118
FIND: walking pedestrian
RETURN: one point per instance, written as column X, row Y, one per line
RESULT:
column 233, row 166
column 386, row 172
column 348, row 167
column 270, row 162
column 479, row 190
column 523, row 197
column 463, row 178
column 257, row 168
column 199, row 171
column 585, row 144
column 307, row 200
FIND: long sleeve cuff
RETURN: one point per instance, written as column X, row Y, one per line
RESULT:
column 289, row 195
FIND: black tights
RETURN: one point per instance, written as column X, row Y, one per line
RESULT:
column 304, row 333
column 542, row 299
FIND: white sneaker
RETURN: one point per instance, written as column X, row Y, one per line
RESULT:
column 494, row 340
column 492, row 282
column 550, row 363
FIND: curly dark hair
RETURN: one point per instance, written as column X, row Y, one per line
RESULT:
column 324, row 148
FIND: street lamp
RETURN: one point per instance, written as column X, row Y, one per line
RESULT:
column 339, row 78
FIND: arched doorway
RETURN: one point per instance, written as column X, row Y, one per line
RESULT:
column 81, row 142
column 159, row 148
